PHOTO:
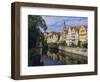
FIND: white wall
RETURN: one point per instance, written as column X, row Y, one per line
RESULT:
column 5, row 40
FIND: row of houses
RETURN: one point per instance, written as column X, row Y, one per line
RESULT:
column 71, row 35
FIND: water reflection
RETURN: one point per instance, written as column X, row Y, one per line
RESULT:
column 62, row 58
column 59, row 58
column 47, row 61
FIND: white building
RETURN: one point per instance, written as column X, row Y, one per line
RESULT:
column 72, row 36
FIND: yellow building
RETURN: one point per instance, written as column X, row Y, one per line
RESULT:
column 64, row 33
column 83, row 35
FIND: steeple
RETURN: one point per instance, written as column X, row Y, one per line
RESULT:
column 64, row 24
column 64, row 27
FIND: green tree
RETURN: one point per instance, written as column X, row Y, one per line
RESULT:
column 35, row 23
column 53, row 48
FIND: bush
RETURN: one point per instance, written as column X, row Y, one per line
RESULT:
column 44, row 47
column 85, row 45
column 53, row 47
column 79, row 42
column 63, row 43
column 73, row 45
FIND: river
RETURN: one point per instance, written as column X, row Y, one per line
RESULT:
column 63, row 58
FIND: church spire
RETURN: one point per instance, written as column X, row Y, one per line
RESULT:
column 64, row 24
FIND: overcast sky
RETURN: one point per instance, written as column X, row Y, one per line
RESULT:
column 56, row 23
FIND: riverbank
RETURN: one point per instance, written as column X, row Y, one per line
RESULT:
column 80, row 51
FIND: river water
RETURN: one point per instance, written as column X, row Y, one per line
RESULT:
column 59, row 58
column 63, row 59
column 47, row 61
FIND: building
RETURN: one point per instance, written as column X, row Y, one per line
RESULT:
column 72, row 36
column 83, row 35
column 52, row 37
column 63, row 33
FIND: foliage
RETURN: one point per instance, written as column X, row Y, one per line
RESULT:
column 35, row 38
column 53, row 47
column 85, row 45
column 62, row 43
column 36, row 21
column 44, row 47
column 34, row 33
column 78, row 43
column 73, row 45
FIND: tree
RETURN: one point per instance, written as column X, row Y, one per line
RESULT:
column 34, row 33
column 85, row 45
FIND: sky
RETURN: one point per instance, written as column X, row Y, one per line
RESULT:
column 56, row 23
